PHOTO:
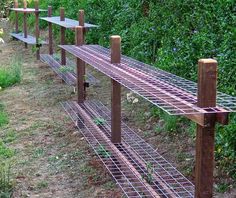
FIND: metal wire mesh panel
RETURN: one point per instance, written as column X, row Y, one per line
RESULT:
column 68, row 76
column 140, row 170
column 27, row 10
column 67, row 23
column 153, row 86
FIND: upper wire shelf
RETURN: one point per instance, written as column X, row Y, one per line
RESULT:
column 67, row 23
column 171, row 93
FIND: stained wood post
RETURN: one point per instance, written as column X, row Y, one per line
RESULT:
column 16, row 5
column 80, row 69
column 207, row 90
column 50, row 44
column 37, row 31
column 63, row 37
column 81, row 22
column 25, row 22
column 116, row 92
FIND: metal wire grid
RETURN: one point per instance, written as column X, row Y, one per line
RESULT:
column 223, row 100
column 166, row 180
column 67, row 23
column 68, row 77
column 172, row 100
column 27, row 10
column 29, row 40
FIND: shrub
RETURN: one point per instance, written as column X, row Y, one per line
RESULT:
column 10, row 75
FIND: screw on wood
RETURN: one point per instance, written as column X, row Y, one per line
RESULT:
column 207, row 81
column 115, row 92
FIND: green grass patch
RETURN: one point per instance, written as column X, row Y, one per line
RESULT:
column 3, row 116
column 11, row 74
column 6, row 185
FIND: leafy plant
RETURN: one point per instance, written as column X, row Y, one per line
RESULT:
column 150, row 172
column 5, row 181
column 99, row 121
column 10, row 75
column 65, row 69
column 103, row 152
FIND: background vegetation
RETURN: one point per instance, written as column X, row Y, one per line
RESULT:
column 171, row 35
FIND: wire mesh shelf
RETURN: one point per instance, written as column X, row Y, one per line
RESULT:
column 67, row 23
column 138, row 169
column 68, row 76
column 171, row 93
column 27, row 10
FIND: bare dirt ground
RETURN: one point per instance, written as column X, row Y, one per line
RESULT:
column 52, row 159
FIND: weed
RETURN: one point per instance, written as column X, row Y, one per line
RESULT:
column 42, row 184
column 101, row 150
column 3, row 118
column 10, row 75
column 99, row 121
column 65, row 69
column 222, row 187
column 5, row 181
column 10, row 136
column 150, row 172
column 39, row 152
column 5, row 152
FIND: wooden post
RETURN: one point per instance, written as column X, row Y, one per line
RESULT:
column 80, row 66
column 116, row 93
column 16, row 5
column 37, row 33
column 207, row 81
column 25, row 22
column 63, row 37
column 50, row 44
column 81, row 22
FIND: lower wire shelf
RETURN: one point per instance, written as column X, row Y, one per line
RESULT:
column 69, row 77
column 29, row 39
column 137, row 168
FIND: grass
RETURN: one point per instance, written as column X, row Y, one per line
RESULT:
column 11, row 74
column 3, row 116
column 5, row 182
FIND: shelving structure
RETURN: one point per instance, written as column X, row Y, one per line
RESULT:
column 23, row 36
column 138, row 169
column 62, row 66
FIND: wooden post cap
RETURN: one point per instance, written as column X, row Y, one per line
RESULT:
column 81, row 17
column 207, row 61
column 79, row 37
column 62, row 14
column 115, row 49
column 16, row 4
column 25, row 4
column 49, row 11
column 36, row 4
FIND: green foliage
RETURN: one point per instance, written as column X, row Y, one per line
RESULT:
column 99, row 121
column 10, row 75
column 5, row 152
column 5, row 181
column 101, row 150
column 65, row 69
column 3, row 116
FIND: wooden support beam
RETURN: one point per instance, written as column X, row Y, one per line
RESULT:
column 16, row 5
column 80, row 66
column 50, row 37
column 207, row 80
column 25, row 22
column 116, row 92
column 63, row 37
column 37, row 31
column 81, row 22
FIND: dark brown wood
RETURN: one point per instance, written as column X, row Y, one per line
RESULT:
column 80, row 67
column 81, row 18
column 50, row 37
column 63, row 37
column 16, row 5
column 207, row 80
column 25, row 28
column 37, row 31
column 115, row 92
